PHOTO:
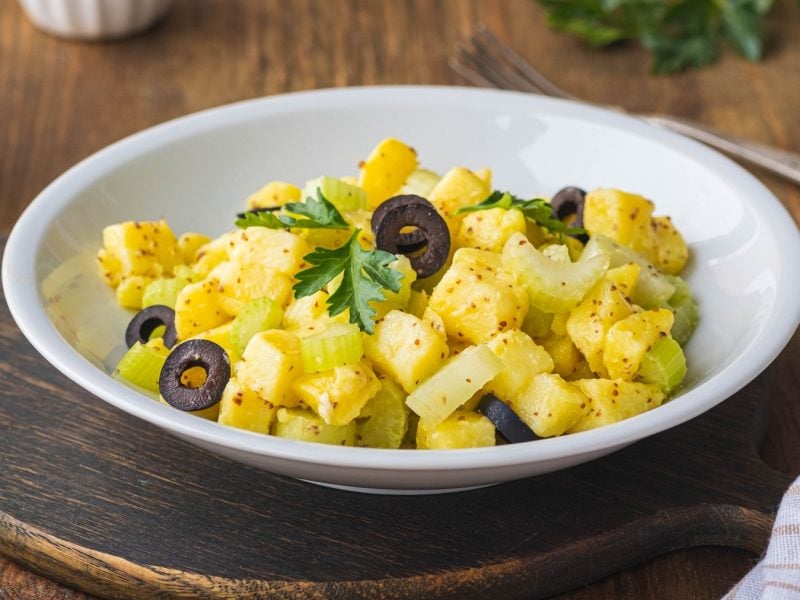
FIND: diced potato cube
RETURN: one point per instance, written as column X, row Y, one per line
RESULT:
column 567, row 359
column 522, row 359
column 270, row 363
column 222, row 337
column 146, row 248
column 239, row 283
column 243, row 408
column 386, row 170
column 462, row 429
column 274, row 194
column 110, row 267
column 131, row 289
column 485, row 175
column 405, row 348
column 458, row 188
column 189, row 243
column 550, row 405
column 338, row 395
column 628, row 340
column 305, row 426
column 284, row 251
column 432, row 318
column 590, row 321
column 213, row 253
column 669, row 251
column 197, row 309
column 619, row 215
column 613, row 400
column 489, row 229
column 309, row 315
column 476, row 297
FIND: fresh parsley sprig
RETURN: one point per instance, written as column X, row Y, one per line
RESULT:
column 319, row 213
column 365, row 276
column 537, row 210
column 681, row 34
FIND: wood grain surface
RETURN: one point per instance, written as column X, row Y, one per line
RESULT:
column 61, row 101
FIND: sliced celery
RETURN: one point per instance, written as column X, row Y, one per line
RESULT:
column 454, row 383
column 257, row 315
column 663, row 365
column 142, row 365
column 421, row 182
column 163, row 291
column 306, row 426
column 342, row 195
column 186, row 273
column 537, row 322
column 685, row 310
column 339, row 345
column 652, row 289
column 552, row 286
column 384, row 419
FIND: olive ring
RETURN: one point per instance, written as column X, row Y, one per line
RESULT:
column 145, row 323
column 432, row 226
column 205, row 354
column 570, row 201
column 408, row 242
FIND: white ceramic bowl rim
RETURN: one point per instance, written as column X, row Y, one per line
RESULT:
column 25, row 302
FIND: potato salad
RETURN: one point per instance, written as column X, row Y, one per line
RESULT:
column 401, row 308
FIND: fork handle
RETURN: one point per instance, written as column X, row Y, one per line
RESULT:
column 781, row 162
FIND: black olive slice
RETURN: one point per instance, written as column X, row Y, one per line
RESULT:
column 408, row 242
column 510, row 427
column 255, row 211
column 427, row 220
column 207, row 355
column 570, row 201
column 147, row 320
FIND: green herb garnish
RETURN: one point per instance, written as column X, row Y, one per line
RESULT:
column 681, row 34
column 365, row 274
column 319, row 213
column 537, row 210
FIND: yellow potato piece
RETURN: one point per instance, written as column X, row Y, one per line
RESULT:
column 386, row 169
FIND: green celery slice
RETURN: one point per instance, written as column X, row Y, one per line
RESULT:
column 421, row 183
column 257, row 315
column 344, row 196
column 141, row 365
column 339, row 345
column 163, row 291
column 454, row 383
column 552, row 286
column 653, row 288
column 685, row 310
column 383, row 421
column 306, row 426
column 663, row 365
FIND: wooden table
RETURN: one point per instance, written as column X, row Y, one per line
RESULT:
column 61, row 101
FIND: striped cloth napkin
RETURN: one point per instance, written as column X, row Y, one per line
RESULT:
column 777, row 575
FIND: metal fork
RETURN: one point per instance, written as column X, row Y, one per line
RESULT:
column 486, row 61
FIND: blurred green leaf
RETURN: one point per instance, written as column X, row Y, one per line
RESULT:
column 680, row 34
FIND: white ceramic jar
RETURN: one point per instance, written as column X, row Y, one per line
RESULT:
column 94, row 19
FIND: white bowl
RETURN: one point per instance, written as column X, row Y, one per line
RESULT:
column 94, row 19
column 197, row 170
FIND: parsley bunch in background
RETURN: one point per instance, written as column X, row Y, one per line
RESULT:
column 681, row 34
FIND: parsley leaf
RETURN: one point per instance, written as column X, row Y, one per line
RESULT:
column 537, row 210
column 681, row 34
column 319, row 213
column 365, row 274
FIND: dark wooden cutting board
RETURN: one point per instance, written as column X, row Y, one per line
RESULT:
column 106, row 503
